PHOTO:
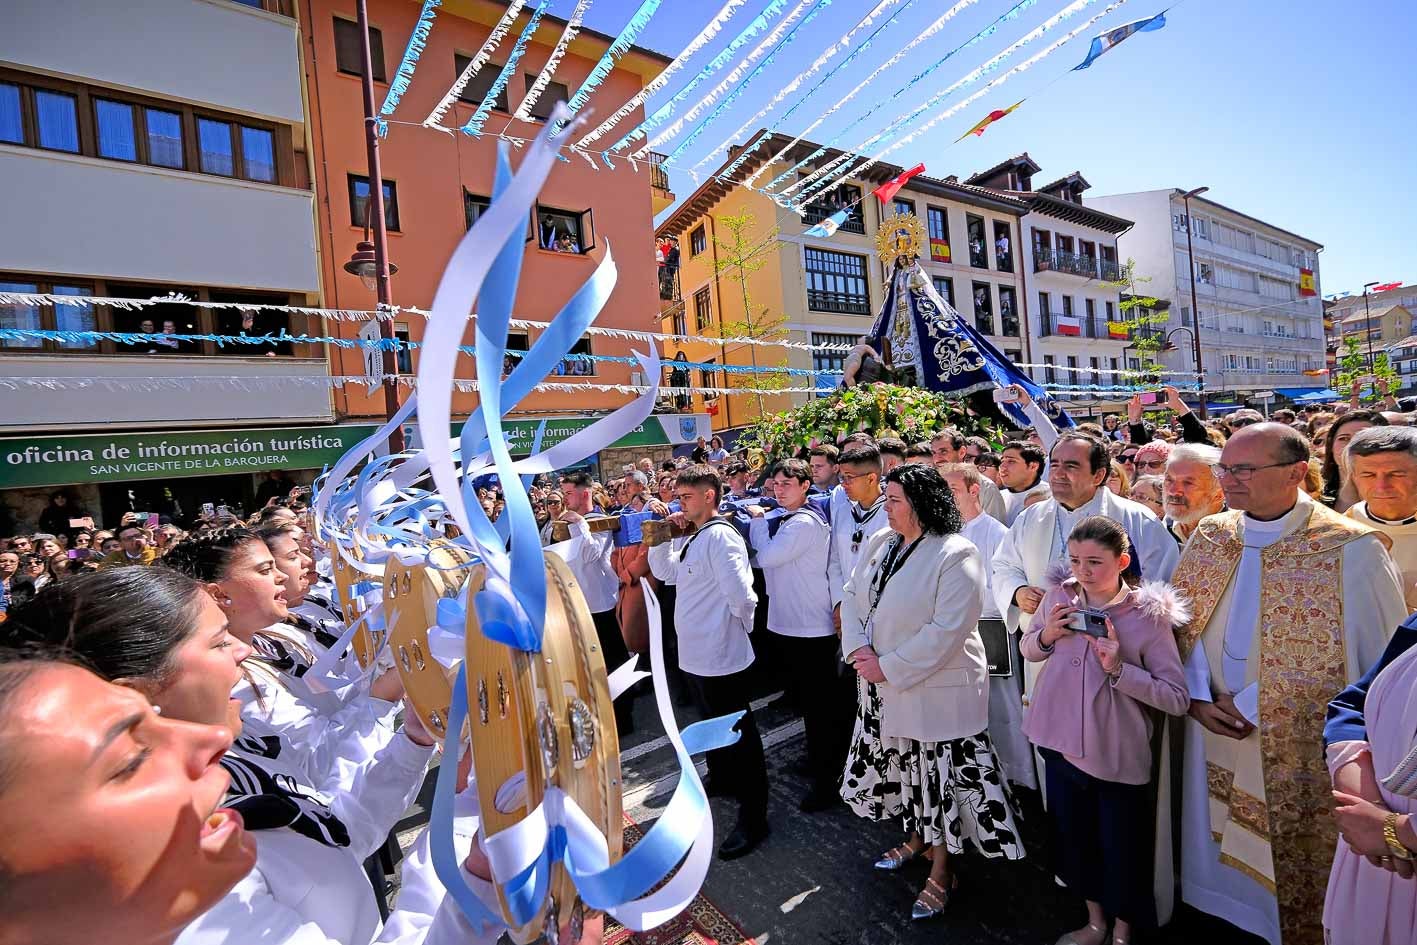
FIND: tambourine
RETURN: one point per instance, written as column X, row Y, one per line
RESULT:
column 411, row 595
column 547, row 715
column 351, row 606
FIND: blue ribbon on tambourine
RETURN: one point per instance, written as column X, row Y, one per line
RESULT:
column 511, row 606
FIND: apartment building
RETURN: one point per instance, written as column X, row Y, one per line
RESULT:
column 1073, row 300
column 813, row 291
column 154, row 150
column 1257, row 288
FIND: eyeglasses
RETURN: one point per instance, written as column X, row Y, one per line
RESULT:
column 1242, row 422
column 1157, row 464
column 1128, row 458
column 846, row 477
column 1243, row 473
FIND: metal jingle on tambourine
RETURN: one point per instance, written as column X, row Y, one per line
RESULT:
column 412, row 592
column 559, row 729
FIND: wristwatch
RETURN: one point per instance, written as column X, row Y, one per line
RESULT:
column 1399, row 850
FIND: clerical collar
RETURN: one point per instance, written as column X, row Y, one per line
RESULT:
column 1367, row 510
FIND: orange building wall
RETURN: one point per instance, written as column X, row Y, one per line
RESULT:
column 431, row 170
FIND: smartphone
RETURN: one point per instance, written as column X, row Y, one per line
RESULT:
column 208, row 510
column 1005, row 395
column 154, row 520
column 221, row 510
column 1150, row 397
column 1091, row 622
column 76, row 553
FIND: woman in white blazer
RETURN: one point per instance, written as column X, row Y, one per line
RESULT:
column 921, row 749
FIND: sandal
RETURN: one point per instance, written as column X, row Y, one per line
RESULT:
column 1068, row 937
column 932, row 900
column 894, row 859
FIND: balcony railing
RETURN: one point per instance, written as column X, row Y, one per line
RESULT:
column 658, row 176
column 817, row 212
column 1109, row 270
column 669, row 284
column 841, row 303
column 1055, row 260
column 1079, row 326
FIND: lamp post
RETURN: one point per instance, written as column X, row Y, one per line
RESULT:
column 1195, row 306
column 1368, row 324
column 370, row 261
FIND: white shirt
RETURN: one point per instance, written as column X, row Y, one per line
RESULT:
column 590, row 564
column 986, row 533
column 1016, row 502
column 794, row 564
column 847, row 519
column 714, row 599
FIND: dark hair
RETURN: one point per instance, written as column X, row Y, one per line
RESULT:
column 1097, row 457
column 860, row 454
column 988, row 459
column 891, row 446
column 794, row 469
column 124, row 623
column 128, row 528
column 273, row 530
column 955, row 437
column 207, row 556
column 734, row 467
column 918, row 451
column 827, row 450
column 577, row 477
column 701, row 476
column 1103, row 530
column 1373, row 441
column 860, row 436
column 979, row 442
column 930, row 496
column 1332, row 474
column 668, row 464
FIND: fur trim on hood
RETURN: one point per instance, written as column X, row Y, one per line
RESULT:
column 1156, row 599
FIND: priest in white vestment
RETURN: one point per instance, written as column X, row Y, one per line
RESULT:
column 1291, row 602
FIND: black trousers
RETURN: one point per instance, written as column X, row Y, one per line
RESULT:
column 612, row 647
column 739, row 768
column 1102, row 839
column 812, row 676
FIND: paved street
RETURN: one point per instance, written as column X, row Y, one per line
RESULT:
column 812, row 883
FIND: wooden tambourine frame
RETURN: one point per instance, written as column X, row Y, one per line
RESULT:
column 411, row 595
column 366, row 643
column 549, row 715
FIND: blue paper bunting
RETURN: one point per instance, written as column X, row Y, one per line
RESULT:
column 474, row 124
column 417, row 40
column 618, row 48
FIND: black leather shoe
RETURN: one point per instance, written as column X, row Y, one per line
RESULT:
column 818, row 799
column 713, row 789
column 743, row 839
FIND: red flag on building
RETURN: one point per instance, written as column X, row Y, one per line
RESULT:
column 993, row 116
column 888, row 190
column 1306, row 283
column 1386, row 286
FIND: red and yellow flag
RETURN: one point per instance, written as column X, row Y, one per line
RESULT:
column 1306, row 283
column 992, row 117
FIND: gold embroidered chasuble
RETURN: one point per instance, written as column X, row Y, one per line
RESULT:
column 1269, row 793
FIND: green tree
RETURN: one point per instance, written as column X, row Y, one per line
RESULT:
column 1353, row 369
column 1143, row 319
column 739, row 254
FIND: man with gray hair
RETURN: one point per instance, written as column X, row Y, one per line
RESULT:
column 1382, row 465
column 1190, row 491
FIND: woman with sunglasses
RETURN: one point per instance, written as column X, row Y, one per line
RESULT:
column 161, row 636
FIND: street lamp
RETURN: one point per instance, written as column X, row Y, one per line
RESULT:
column 370, row 261
column 1195, row 306
column 1168, row 345
column 1368, row 324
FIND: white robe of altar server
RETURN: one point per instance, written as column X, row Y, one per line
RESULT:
column 1373, row 607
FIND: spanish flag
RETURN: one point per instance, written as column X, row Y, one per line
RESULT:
column 993, row 116
column 1306, row 283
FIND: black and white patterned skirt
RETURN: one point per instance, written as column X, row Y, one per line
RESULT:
column 947, row 792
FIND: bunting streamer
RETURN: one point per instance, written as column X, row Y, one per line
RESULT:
column 732, row 96
column 830, row 174
column 618, row 48
column 417, row 40
column 796, row 81
column 533, row 94
column 706, row 35
column 947, row 113
column 1105, row 42
column 494, row 39
column 1011, row 14
column 726, row 175
column 996, row 115
column 509, row 69
column 755, row 27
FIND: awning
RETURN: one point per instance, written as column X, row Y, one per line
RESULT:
column 1298, row 393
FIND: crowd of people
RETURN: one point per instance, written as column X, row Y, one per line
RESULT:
column 1180, row 650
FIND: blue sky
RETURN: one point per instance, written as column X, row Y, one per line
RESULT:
column 1300, row 113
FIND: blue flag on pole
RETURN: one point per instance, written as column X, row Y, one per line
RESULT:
column 827, row 228
column 1103, row 42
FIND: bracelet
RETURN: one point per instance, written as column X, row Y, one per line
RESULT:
column 1399, row 850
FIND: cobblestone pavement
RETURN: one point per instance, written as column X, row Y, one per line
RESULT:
column 811, row 883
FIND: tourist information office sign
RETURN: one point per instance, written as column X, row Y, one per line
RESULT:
column 68, row 459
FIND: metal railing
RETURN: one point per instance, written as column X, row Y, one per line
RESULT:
column 669, row 284
column 1094, row 327
column 1076, row 264
column 658, row 176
